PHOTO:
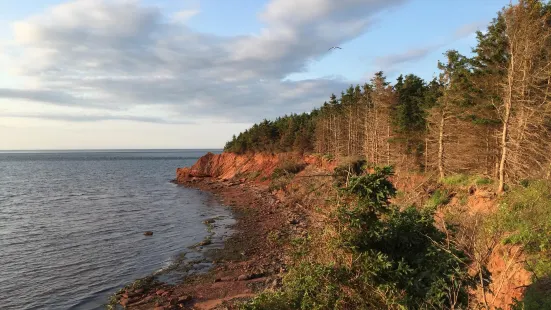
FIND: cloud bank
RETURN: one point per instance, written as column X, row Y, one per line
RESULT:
column 122, row 54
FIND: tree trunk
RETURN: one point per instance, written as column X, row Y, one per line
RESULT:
column 349, row 130
column 441, row 145
column 367, row 148
column 388, row 144
column 426, row 154
column 505, row 130
column 376, row 138
column 504, row 135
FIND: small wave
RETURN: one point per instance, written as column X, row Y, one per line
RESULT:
column 73, row 232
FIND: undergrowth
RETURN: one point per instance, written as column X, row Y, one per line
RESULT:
column 286, row 168
column 438, row 198
column 524, row 218
column 384, row 257
column 525, row 213
column 462, row 180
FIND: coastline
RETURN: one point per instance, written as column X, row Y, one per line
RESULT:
column 275, row 201
column 250, row 260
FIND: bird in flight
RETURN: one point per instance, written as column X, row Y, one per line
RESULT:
column 335, row 48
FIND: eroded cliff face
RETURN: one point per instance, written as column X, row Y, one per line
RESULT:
column 227, row 166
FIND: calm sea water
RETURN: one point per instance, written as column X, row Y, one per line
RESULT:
column 72, row 223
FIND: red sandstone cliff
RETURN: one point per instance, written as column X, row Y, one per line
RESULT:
column 226, row 166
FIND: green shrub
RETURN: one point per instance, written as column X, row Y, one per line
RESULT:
column 536, row 297
column 438, row 198
column 524, row 215
column 483, row 181
column 456, row 179
column 401, row 252
column 286, row 168
column 393, row 259
column 253, row 175
column 279, row 183
column 349, row 166
column 307, row 286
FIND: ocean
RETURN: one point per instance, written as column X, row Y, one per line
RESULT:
column 72, row 223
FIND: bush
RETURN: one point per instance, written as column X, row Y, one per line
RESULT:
column 456, row 179
column 307, row 286
column 438, row 198
column 524, row 215
column 279, row 183
column 349, row 166
column 287, row 167
column 483, row 181
column 536, row 297
column 392, row 247
column 466, row 180
column 391, row 259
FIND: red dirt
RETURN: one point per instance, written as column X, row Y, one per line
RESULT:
column 510, row 279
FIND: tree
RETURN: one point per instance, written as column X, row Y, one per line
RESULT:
column 383, row 99
column 408, row 116
column 454, row 78
column 524, row 109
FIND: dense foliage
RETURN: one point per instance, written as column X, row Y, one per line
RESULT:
column 488, row 114
column 293, row 133
column 395, row 259
column 524, row 219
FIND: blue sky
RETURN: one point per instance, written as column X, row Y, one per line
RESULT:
column 191, row 73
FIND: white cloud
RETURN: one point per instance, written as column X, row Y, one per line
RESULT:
column 120, row 54
column 184, row 16
column 413, row 54
column 389, row 62
column 468, row 29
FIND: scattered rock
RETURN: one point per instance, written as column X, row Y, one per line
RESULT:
column 160, row 292
column 205, row 242
column 123, row 302
column 148, row 298
column 256, row 275
column 148, row 233
column 243, row 277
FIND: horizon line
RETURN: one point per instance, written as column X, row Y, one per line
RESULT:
column 110, row 149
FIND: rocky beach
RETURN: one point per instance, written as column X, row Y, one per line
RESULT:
column 252, row 259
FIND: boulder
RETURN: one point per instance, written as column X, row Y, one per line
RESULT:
column 184, row 298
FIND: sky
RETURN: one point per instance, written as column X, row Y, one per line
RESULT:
column 135, row 74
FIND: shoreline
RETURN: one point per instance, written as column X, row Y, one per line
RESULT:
column 250, row 260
